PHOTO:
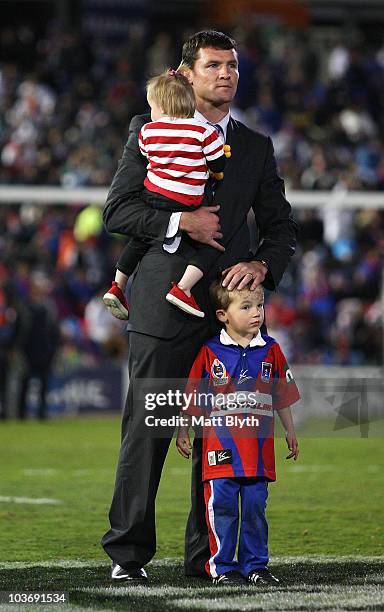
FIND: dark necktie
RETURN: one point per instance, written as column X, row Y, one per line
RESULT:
column 218, row 129
column 211, row 184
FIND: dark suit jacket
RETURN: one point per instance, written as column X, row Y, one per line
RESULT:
column 250, row 182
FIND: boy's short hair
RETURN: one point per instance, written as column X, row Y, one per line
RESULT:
column 221, row 297
column 173, row 93
column 202, row 40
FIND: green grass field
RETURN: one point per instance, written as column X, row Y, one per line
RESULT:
column 325, row 514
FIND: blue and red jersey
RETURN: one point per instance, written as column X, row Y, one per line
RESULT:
column 235, row 391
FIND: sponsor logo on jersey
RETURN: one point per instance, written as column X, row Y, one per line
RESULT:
column 219, row 457
column 266, row 370
column 219, row 373
column 224, row 456
column 243, row 377
column 211, row 458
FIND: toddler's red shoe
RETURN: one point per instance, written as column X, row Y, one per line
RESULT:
column 183, row 301
column 116, row 303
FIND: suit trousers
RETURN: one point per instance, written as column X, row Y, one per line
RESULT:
column 155, row 365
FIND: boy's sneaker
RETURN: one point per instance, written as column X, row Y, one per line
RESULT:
column 115, row 301
column 262, row 576
column 183, row 301
column 228, row 579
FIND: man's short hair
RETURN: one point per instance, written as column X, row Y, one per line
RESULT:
column 202, row 40
column 221, row 297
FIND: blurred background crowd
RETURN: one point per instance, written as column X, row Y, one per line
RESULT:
column 66, row 99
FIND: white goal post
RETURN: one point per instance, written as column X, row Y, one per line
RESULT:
column 337, row 198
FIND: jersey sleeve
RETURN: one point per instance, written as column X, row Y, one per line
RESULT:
column 197, row 383
column 285, row 391
column 212, row 145
column 142, row 145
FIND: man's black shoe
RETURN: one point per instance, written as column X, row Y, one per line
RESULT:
column 262, row 576
column 228, row 579
column 132, row 575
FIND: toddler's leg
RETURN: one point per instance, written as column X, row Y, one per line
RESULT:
column 180, row 294
column 121, row 279
column 115, row 299
column 191, row 276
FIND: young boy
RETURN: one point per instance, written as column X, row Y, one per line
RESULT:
column 245, row 377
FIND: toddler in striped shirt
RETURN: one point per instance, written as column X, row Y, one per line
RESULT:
column 182, row 152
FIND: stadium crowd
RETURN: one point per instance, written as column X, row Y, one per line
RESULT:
column 66, row 104
column 65, row 108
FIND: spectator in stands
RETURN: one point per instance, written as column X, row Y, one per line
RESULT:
column 37, row 345
column 63, row 122
column 8, row 336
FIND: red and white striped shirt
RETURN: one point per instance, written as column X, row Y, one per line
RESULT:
column 177, row 151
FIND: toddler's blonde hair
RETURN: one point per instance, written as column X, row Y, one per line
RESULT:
column 173, row 93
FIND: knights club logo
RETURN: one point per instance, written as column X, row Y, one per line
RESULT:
column 266, row 370
column 219, row 373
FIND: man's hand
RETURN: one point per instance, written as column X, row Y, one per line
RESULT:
column 238, row 276
column 183, row 442
column 203, row 226
column 292, row 444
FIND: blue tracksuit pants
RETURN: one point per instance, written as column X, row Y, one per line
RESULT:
column 222, row 496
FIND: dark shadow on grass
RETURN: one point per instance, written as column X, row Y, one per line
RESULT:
column 308, row 577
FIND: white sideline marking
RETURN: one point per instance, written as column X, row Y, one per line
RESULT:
column 40, row 472
column 177, row 471
column 202, row 598
column 87, row 472
column 311, row 468
column 78, row 563
column 169, row 561
column 344, row 597
column 39, row 501
column 55, row 472
column 144, row 591
column 373, row 469
column 60, row 563
column 326, row 468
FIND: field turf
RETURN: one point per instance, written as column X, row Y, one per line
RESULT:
column 325, row 514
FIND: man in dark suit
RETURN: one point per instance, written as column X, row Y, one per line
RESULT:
column 164, row 340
